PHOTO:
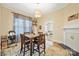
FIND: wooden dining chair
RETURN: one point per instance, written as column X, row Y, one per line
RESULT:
column 25, row 43
column 40, row 42
column 12, row 36
column 4, row 43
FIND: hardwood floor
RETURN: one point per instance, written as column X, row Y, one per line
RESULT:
column 57, row 50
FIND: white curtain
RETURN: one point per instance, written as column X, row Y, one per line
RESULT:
column 22, row 24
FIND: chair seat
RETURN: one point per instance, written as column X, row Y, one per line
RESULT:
column 27, row 41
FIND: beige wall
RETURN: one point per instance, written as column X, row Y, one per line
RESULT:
column 60, row 19
column 6, row 21
column 57, row 20
column 0, row 20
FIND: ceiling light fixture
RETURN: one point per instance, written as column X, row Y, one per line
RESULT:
column 38, row 11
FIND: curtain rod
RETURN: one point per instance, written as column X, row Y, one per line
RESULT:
column 21, row 14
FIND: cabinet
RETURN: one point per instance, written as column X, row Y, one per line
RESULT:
column 72, row 38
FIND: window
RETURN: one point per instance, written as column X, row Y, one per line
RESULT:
column 22, row 25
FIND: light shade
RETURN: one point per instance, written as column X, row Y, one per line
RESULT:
column 38, row 12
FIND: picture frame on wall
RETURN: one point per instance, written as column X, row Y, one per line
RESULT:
column 73, row 17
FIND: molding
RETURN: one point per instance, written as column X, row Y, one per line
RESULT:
column 70, row 28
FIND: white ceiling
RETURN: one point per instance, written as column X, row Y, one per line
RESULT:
column 29, row 8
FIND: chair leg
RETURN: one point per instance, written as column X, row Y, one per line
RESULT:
column 28, row 46
column 33, row 47
column 39, row 49
column 24, row 51
column 21, row 50
column 44, row 48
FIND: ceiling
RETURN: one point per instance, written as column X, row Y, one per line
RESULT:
column 29, row 8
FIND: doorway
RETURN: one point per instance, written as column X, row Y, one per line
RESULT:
column 49, row 33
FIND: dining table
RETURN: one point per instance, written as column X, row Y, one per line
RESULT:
column 31, row 38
